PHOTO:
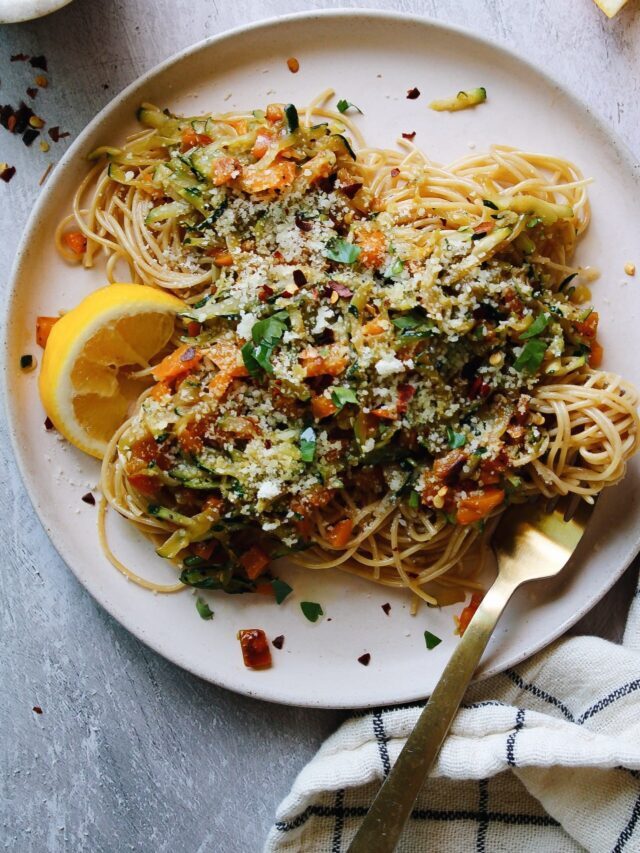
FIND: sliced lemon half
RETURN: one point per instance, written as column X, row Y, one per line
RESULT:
column 85, row 383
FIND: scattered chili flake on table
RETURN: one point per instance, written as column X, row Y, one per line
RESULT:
column 27, row 363
column 37, row 709
column 32, row 92
column 412, row 94
column 89, row 499
column 39, row 62
column 386, row 607
column 56, row 135
column 48, row 424
column 410, row 136
column 293, row 65
column 364, row 659
column 29, row 136
column 19, row 57
column 7, row 172
column 278, row 642
column 255, row 648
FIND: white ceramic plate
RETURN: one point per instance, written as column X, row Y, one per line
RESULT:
column 14, row 11
column 370, row 58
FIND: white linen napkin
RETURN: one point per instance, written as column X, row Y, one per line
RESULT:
column 544, row 757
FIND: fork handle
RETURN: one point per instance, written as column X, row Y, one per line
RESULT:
column 390, row 810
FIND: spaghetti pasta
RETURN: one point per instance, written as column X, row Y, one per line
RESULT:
column 388, row 351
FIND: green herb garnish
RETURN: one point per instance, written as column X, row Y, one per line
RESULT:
column 265, row 335
column 490, row 204
column 431, row 640
column 343, row 106
column 307, row 445
column 291, row 114
column 531, row 356
column 414, row 500
column 456, row 439
column 281, row 590
column 341, row 396
column 539, row 325
column 311, row 610
column 203, row 608
column 414, row 325
column 341, row 251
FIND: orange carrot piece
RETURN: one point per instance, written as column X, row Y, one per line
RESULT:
column 476, row 507
column 76, row 241
column 340, row 533
column 467, row 614
column 322, row 407
column 254, row 561
column 178, row 363
column 596, row 354
column 43, row 329
column 373, row 244
column 277, row 176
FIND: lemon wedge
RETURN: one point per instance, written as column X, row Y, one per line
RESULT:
column 85, row 383
column 611, row 7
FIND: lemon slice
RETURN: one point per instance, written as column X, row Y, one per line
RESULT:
column 611, row 7
column 85, row 382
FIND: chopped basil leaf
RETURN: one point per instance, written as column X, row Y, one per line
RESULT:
column 341, row 396
column 490, row 204
column 307, row 445
column 431, row 640
column 531, row 356
column 203, row 608
column 456, row 439
column 265, row 335
column 311, row 610
column 341, row 251
column 343, row 106
column 539, row 325
column 281, row 590
column 414, row 325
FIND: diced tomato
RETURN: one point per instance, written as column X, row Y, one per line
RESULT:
column 43, row 329
column 191, row 139
column 373, row 245
column 277, row 176
column 406, row 393
column 213, row 505
column 76, row 241
column 264, row 588
column 449, row 465
column 385, row 413
column 255, row 648
column 227, row 358
column 468, row 613
column 322, row 407
column 254, row 561
column 596, row 354
column 476, row 507
column 340, row 533
column 204, row 550
column 588, row 328
column 144, row 452
column 274, row 113
column 374, row 327
column 180, row 362
column 262, row 143
column 146, row 484
column 224, row 170
column 190, row 438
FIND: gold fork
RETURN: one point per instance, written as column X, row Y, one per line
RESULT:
column 530, row 542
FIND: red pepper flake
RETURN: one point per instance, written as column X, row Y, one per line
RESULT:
column 278, row 642
column 11, row 123
column 351, row 190
column 20, row 57
column 395, row 172
column 410, row 136
column 478, row 388
column 32, row 92
column 37, row 709
column 255, row 648
column 188, row 354
column 293, row 65
column 89, row 499
column 412, row 94
column 299, row 278
column 387, row 608
column 265, row 292
column 340, row 289
column 194, row 329
column 364, row 659
column 39, row 62
column 48, row 424
column 29, row 136
column 22, row 116
column 7, row 172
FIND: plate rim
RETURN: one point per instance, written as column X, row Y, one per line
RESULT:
column 111, row 607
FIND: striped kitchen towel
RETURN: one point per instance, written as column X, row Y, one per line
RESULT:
column 545, row 757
